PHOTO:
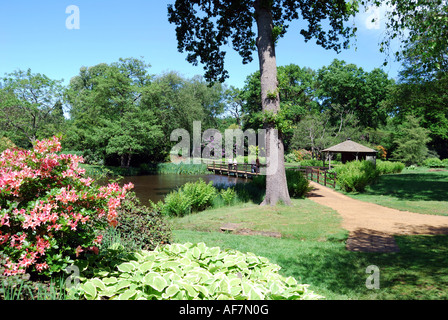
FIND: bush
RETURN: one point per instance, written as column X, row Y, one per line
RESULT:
column 50, row 212
column 193, row 271
column 445, row 162
column 354, row 176
column 139, row 227
column 433, row 163
column 387, row 167
column 6, row 143
column 191, row 197
column 200, row 193
column 297, row 184
column 228, row 195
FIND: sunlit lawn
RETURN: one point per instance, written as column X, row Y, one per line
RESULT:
column 312, row 248
column 421, row 190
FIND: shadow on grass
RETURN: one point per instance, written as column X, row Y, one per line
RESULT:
column 418, row 271
column 415, row 186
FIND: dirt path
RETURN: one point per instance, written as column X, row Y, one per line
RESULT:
column 371, row 227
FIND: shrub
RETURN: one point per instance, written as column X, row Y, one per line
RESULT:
column 297, row 184
column 194, row 271
column 445, row 162
column 228, row 195
column 191, row 197
column 200, row 193
column 355, row 175
column 139, row 227
column 175, row 204
column 387, row 167
column 50, row 211
column 311, row 163
column 433, row 163
column 290, row 158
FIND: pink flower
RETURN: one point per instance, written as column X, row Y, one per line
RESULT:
column 41, row 266
column 94, row 249
column 78, row 251
column 98, row 239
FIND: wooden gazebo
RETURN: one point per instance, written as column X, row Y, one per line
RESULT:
column 351, row 151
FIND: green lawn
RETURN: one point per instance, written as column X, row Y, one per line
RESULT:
column 418, row 271
column 312, row 247
column 420, row 190
column 304, row 220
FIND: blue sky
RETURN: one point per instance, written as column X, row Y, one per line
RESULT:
column 33, row 34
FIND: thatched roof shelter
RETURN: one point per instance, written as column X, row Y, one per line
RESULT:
column 350, row 151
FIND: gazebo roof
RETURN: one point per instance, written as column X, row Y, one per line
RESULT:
column 349, row 146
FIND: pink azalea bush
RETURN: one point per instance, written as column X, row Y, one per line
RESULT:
column 50, row 212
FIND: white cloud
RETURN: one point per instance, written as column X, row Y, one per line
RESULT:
column 373, row 19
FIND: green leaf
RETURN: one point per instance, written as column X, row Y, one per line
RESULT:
column 109, row 281
column 98, row 283
column 127, row 295
column 122, row 284
column 291, row 281
column 146, row 266
column 126, row 267
column 192, row 292
column 172, row 290
column 155, row 281
column 90, row 290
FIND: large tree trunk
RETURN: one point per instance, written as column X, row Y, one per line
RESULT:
column 276, row 186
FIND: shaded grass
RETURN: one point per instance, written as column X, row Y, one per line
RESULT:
column 418, row 271
column 420, row 191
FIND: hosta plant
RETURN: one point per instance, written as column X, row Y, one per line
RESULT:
column 193, row 271
column 50, row 211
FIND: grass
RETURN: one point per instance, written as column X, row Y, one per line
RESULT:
column 312, row 247
column 100, row 171
column 421, row 190
column 303, row 220
column 418, row 271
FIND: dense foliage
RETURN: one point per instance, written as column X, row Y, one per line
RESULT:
column 193, row 271
column 139, row 226
column 191, row 197
column 355, row 176
column 50, row 212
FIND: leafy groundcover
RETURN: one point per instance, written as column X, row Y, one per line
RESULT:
column 193, row 271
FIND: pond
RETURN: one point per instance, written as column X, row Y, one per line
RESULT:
column 156, row 187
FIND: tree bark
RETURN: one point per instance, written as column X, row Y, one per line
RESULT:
column 276, row 185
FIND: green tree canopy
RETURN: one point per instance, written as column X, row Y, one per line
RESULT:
column 353, row 90
column 30, row 106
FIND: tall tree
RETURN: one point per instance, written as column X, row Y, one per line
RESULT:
column 108, row 119
column 356, row 91
column 421, row 27
column 30, row 106
column 297, row 93
column 204, row 27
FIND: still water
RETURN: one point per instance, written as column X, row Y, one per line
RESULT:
column 155, row 187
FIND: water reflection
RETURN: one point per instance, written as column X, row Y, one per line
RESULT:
column 155, row 187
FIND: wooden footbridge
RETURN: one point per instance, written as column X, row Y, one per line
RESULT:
column 245, row 170
column 317, row 174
